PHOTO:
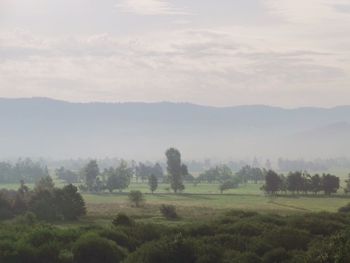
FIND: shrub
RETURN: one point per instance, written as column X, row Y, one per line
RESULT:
column 28, row 219
column 5, row 209
column 248, row 257
column 169, row 212
column 245, row 229
column 136, row 197
column 345, row 209
column 8, row 251
column 123, row 220
column 43, row 205
column 120, row 238
column 174, row 250
column 276, row 255
column 91, row 248
column 288, row 238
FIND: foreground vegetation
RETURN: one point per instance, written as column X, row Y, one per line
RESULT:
column 234, row 237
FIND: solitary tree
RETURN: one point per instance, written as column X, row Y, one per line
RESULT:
column 153, row 183
column 136, row 197
column 229, row 184
column 175, row 169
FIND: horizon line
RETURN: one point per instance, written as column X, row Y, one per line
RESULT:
column 173, row 102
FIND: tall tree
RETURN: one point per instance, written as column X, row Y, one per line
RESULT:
column 90, row 173
column 330, row 184
column 295, row 182
column 316, row 184
column 175, row 169
column 273, row 182
column 153, row 183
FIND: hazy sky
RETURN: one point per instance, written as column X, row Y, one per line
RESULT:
column 225, row 52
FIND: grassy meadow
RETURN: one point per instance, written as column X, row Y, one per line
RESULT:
column 200, row 202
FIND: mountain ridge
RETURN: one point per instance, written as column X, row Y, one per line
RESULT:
column 48, row 99
column 54, row 128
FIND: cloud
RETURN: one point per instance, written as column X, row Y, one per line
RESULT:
column 329, row 13
column 204, row 66
column 149, row 7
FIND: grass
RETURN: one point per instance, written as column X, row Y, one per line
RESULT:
column 203, row 202
column 200, row 202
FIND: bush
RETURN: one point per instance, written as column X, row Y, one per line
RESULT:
column 28, row 219
column 123, row 220
column 169, row 212
column 276, row 255
column 248, row 257
column 136, row 197
column 94, row 249
column 245, row 229
column 174, row 250
column 344, row 209
column 120, row 238
column 288, row 238
column 43, row 205
column 5, row 209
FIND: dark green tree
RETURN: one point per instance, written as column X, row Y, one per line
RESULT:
column 330, row 184
column 70, row 203
column 315, row 184
column 90, row 173
column 94, row 249
column 229, row 184
column 153, row 183
column 136, row 197
column 295, row 182
column 175, row 169
column 273, row 182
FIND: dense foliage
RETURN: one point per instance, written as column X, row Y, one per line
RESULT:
column 46, row 202
column 300, row 182
column 235, row 237
column 176, row 169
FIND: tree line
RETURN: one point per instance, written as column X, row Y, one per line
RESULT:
column 300, row 183
column 119, row 178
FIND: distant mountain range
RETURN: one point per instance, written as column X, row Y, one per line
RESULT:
column 50, row 128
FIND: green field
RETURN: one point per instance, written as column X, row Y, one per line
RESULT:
column 202, row 202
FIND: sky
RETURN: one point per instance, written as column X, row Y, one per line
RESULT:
column 287, row 53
